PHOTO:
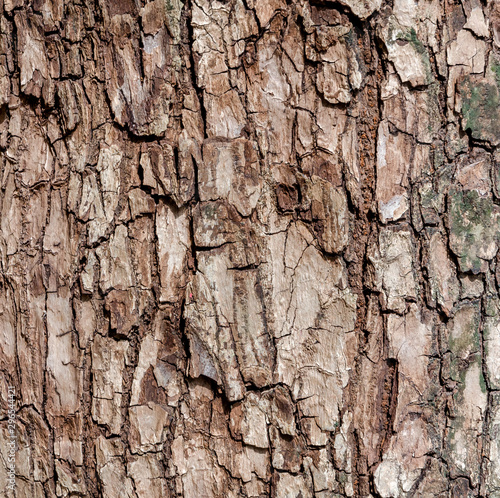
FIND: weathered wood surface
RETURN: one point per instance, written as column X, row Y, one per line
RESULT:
column 251, row 247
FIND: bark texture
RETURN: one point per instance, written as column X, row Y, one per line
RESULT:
column 251, row 247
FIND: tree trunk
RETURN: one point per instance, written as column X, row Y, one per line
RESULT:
column 250, row 248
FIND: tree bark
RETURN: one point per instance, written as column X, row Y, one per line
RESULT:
column 250, row 248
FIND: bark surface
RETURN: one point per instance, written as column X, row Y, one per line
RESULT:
column 250, row 248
